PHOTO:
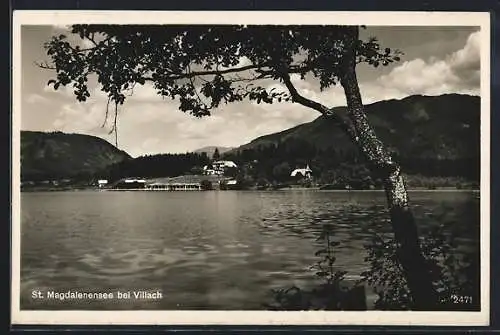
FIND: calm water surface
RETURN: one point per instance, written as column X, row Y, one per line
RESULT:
column 203, row 250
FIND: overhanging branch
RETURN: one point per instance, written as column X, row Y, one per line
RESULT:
column 340, row 121
column 296, row 97
column 45, row 65
column 259, row 67
column 192, row 74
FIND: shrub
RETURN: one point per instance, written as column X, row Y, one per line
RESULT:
column 206, row 185
column 453, row 275
column 330, row 294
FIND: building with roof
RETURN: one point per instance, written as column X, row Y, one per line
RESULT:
column 218, row 168
column 302, row 173
column 102, row 182
column 166, row 186
column 130, row 184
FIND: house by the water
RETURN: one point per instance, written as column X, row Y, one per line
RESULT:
column 303, row 173
column 102, row 183
column 180, row 183
column 130, row 184
column 173, row 187
column 218, row 168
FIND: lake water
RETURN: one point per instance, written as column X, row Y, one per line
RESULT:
column 203, row 250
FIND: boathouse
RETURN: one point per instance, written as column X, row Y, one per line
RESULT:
column 185, row 183
column 158, row 186
column 130, row 184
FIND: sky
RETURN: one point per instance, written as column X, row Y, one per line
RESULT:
column 436, row 60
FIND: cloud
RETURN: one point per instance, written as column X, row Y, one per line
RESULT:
column 61, row 26
column 149, row 124
column 63, row 91
column 81, row 118
column 150, row 144
column 58, row 29
column 458, row 72
column 465, row 63
column 35, row 98
column 243, row 61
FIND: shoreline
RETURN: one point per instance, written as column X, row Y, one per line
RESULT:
column 288, row 189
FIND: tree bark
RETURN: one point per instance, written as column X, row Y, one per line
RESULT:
column 382, row 164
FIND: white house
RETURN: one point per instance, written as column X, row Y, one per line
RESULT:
column 218, row 167
column 305, row 173
column 102, row 182
column 224, row 164
column 207, row 170
column 134, row 180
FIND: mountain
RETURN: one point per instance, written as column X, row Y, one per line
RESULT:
column 211, row 149
column 423, row 127
column 58, row 155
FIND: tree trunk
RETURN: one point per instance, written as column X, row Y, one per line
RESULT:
column 381, row 163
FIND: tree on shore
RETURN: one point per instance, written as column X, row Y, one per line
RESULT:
column 201, row 67
column 216, row 155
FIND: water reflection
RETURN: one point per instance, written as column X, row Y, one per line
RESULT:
column 204, row 250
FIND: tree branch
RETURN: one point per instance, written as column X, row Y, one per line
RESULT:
column 242, row 79
column 45, row 65
column 115, row 126
column 342, row 122
column 213, row 72
column 107, row 112
column 296, row 97
column 194, row 87
column 91, row 38
column 177, row 75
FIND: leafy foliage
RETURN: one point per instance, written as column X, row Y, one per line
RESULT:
column 162, row 165
column 216, row 155
column 340, row 167
column 206, row 185
column 281, row 172
column 454, row 274
column 330, row 294
column 200, row 65
column 326, row 271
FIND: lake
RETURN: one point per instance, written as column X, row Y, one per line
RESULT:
column 205, row 250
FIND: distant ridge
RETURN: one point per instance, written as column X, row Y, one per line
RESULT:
column 57, row 155
column 209, row 150
column 442, row 127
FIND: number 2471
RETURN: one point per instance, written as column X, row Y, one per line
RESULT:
column 461, row 299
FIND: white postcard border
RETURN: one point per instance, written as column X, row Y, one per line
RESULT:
column 253, row 317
